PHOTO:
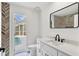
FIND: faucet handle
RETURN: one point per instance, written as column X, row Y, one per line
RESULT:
column 62, row 40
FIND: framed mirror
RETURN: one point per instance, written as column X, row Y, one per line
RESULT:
column 66, row 17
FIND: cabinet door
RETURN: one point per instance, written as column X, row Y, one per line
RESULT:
column 49, row 50
column 39, row 52
column 62, row 54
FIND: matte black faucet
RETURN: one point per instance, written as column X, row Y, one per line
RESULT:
column 57, row 38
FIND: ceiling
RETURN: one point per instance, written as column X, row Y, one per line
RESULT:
column 67, row 11
column 31, row 4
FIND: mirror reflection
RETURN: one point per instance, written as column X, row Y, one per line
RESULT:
column 66, row 17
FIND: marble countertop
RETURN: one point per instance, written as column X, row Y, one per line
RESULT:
column 70, row 49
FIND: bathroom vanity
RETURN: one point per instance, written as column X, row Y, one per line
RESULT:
column 49, row 47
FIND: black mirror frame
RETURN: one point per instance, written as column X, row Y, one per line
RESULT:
column 62, row 9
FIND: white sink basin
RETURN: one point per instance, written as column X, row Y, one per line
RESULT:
column 54, row 42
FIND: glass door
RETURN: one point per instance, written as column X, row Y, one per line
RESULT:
column 20, row 37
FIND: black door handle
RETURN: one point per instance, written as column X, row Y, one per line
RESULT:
column 2, row 49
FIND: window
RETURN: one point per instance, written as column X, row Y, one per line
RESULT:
column 20, row 25
column 20, row 29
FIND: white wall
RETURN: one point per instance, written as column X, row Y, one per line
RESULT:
column 31, row 21
column 71, row 34
column 34, row 23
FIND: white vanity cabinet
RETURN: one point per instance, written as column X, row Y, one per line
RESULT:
column 44, row 49
column 62, row 54
column 40, row 52
column 49, row 50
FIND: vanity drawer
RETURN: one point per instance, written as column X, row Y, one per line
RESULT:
column 62, row 54
column 50, row 50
